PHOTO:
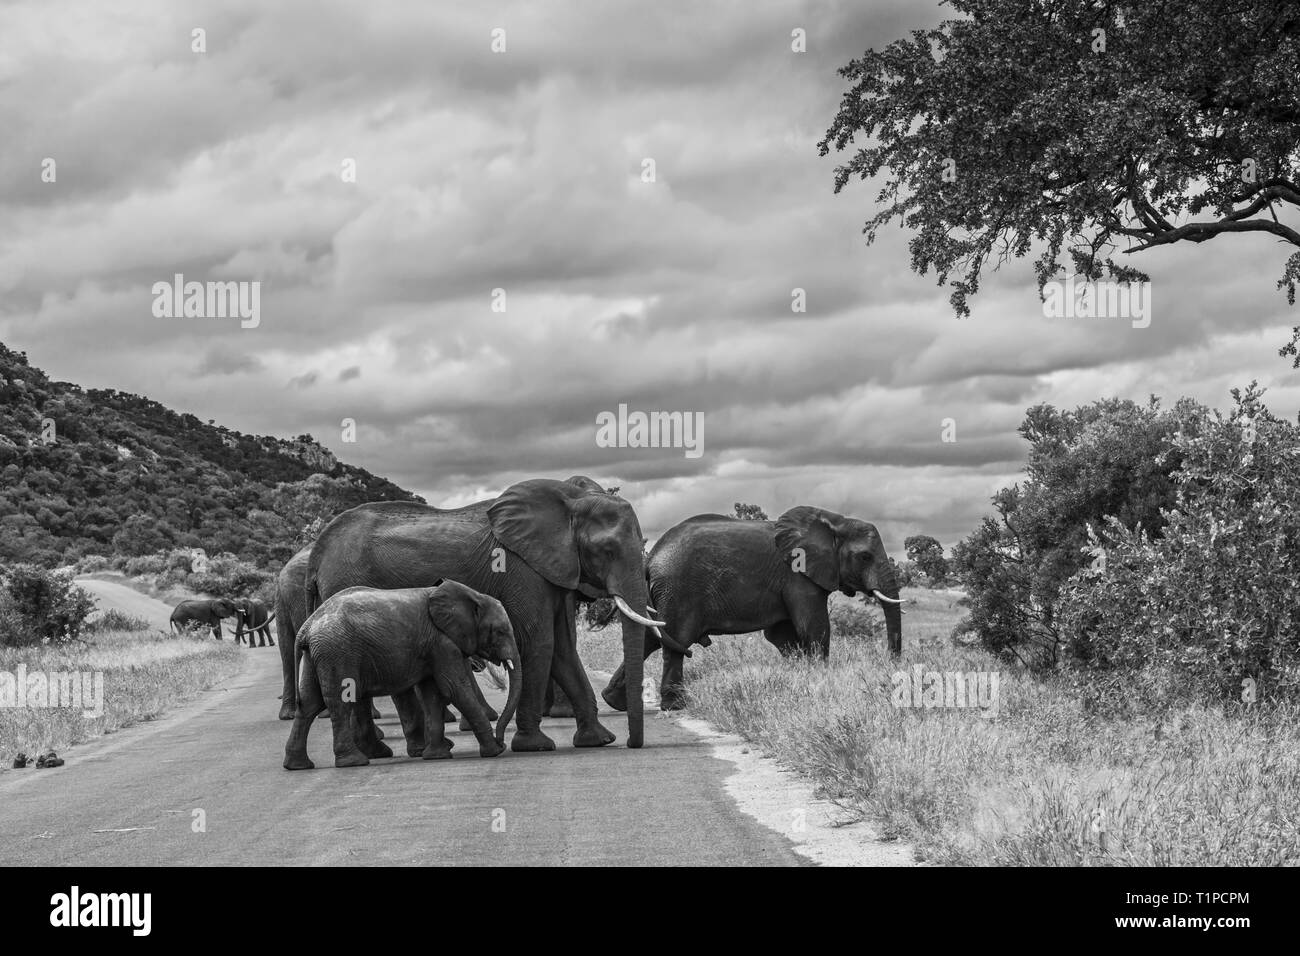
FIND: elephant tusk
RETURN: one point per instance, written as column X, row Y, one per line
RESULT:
column 650, row 610
column 634, row 616
column 887, row 600
column 509, row 665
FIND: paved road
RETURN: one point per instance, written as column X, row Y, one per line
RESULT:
column 130, row 798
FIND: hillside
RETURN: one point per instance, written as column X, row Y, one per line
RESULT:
column 125, row 475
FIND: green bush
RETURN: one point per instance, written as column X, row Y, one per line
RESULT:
column 1110, row 458
column 43, row 606
column 1212, row 601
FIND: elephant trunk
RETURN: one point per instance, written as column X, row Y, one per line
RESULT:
column 885, row 585
column 634, row 595
column 515, row 668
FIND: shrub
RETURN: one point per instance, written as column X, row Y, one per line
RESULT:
column 47, row 605
column 856, row 620
column 1211, row 602
column 115, row 620
column 1110, row 458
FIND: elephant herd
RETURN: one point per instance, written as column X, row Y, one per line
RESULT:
column 405, row 600
column 252, row 617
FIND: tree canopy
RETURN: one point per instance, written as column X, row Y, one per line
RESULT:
column 1080, row 129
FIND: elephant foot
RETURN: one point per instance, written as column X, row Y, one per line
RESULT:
column 286, row 711
column 447, row 716
column 415, row 748
column 531, row 742
column 616, row 697
column 353, row 759
column 494, row 749
column 380, row 750
column 440, row 751
column 298, row 762
column 596, row 736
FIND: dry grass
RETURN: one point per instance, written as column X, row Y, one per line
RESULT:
column 144, row 674
column 1046, row 782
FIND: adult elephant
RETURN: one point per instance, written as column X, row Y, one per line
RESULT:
column 530, row 548
column 290, row 612
column 714, row 574
column 254, row 618
column 206, row 612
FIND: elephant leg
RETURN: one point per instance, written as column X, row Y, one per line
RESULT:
column 311, row 703
column 410, row 710
column 557, row 703
column 343, row 718
column 288, row 691
column 478, row 696
column 536, row 644
column 783, row 637
column 461, row 690
column 437, row 746
column 270, row 638
column 571, row 678
column 672, row 683
column 216, row 630
column 813, row 625
column 615, row 692
column 368, row 739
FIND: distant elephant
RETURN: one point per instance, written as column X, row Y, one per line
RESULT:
column 530, row 548
column 714, row 574
column 254, row 618
column 206, row 612
column 368, row 641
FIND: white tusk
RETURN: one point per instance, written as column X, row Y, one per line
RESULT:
column 634, row 616
column 888, row 600
column 655, row 631
column 509, row 665
column 650, row 610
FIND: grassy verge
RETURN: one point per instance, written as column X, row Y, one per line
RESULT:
column 1050, row 780
column 143, row 674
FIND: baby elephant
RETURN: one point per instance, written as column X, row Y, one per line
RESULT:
column 367, row 642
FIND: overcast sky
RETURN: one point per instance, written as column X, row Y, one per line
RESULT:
column 522, row 170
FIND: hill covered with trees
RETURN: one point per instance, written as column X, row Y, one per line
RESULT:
column 98, row 471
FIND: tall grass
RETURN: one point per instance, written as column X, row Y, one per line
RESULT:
column 144, row 674
column 1052, row 780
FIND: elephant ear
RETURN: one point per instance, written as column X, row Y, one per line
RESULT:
column 806, row 538
column 534, row 519
column 454, row 616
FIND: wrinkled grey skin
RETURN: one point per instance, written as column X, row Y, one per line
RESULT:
column 714, row 574
column 253, row 618
column 367, row 641
column 290, row 612
column 207, row 612
column 531, row 547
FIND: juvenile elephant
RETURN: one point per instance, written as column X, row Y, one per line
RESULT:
column 713, row 574
column 206, row 612
column 254, row 618
column 367, row 641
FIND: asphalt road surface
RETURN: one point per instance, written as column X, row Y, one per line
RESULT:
column 204, row 785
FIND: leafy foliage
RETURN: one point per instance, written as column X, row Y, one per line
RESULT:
column 927, row 554
column 748, row 512
column 1212, row 601
column 1109, row 458
column 1075, row 126
column 126, row 475
column 41, row 606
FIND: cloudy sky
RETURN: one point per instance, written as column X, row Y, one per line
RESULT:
column 522, row 171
